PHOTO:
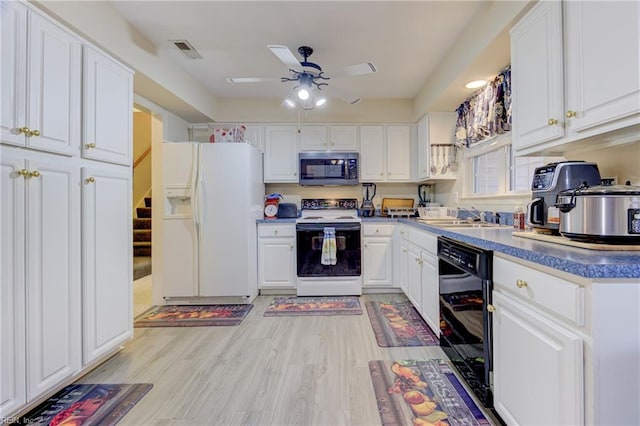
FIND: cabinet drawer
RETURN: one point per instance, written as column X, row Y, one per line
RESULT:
column 377, row 230
column 276, row 231
column 554, row 294
column 425, row 240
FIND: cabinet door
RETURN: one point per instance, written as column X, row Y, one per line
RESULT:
column 107, row 109
column 106, row 259
column 13, row 84
column 372, row 154
column 254, row 135
column 414, row 277
column 343, row 138
column 400, row 258
column 537, row 76
column 430, row 292
column 281, row 154
column 54, row 87
column 314, row 138
column 378, row 258
column 537, row 366
column 398, row 153
column 602, row 70
column 52, row 272
column 276, row 263
column 423, row 151
column 12, row 281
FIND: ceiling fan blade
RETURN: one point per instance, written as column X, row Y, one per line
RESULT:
column 284, row 54
column 344, row 95
column 358, row 69
column 250, row 79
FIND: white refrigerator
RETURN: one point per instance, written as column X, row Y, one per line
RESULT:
column 213, row 193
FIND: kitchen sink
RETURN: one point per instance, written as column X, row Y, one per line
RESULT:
column 459, row 223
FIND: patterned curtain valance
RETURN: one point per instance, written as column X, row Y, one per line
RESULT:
column 486, row 113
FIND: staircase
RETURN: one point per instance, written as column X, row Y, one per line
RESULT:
column 142, row 240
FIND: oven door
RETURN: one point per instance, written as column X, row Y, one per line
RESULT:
column 309, row 242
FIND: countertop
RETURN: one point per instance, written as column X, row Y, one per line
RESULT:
column 592, row 264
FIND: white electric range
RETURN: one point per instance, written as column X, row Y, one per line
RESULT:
column 322, row 273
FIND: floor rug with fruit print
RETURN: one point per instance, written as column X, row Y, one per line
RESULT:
column 300, row 306
column 422, row 393
column 192, row 315
column 399, row 324
column 87, row 404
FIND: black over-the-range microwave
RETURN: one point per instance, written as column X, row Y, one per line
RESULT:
column 328, row 168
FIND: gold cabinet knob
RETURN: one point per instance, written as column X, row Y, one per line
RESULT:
column 295, row 174
column 570, row 114
column 91, row 179
column 24, row 130
column 552, row 122
column 291, row 247
column 34, row 174
column 381, row 174
column 91, row 145
column 491, row 308
column 521, row 283
column 34, row 133
column 404, row 250
column 23, row 172
column 275, row 232
column 377, row 230
column 366, row 245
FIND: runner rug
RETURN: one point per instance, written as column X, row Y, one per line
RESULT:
column 422, row 393
column 301, row 306
column 192, row 315
column 87, row 404
column 399, row 324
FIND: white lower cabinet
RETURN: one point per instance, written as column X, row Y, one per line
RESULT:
column 276, row 256
column 538, row 363
column 40, row 297
column 538, row 366
column 106, row 257
column 377, row 255
column 414, row 267
column 422, row 277
column 400, row 254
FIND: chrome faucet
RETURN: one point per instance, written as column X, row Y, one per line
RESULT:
column 475, row 214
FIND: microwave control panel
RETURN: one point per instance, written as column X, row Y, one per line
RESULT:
column 634, row 221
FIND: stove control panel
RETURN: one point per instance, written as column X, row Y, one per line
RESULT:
column 329, row 203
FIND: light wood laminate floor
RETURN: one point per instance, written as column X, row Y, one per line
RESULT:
column 267, row 371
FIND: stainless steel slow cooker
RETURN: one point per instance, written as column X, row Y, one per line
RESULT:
column 604, row 214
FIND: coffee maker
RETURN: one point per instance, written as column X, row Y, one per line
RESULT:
column 424, row 195
column 367, row 209
column 548, row 182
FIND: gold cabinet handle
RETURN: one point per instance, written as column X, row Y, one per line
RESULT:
column 552, row 122
column 91, row 179
column 491, row 308
column 34, row 133
column 366, row 245
column 570, row 114
column 521, row 283
column 34, row 174
column 91, row 145
column 24, row 130
column 23, row 172
column 381, row 174
column 291, row 247
column 404, row 250
column 275, row 232
column 420, row 262
column 377, row 230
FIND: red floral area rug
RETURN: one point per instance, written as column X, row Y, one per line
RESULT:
column 422, row 393
column 87, row 404
column 399, row 324
column 193, row 315
column 300, row 306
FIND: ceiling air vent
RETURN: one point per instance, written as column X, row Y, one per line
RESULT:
column 187, row 49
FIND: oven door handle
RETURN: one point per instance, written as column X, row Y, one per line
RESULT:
column 321, row 226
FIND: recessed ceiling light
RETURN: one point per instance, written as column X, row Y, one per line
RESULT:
column 475, row 84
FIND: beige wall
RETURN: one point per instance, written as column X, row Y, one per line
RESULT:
column 141, row 142
column 622, row 162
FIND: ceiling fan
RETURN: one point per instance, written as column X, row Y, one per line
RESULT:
column 309, row 77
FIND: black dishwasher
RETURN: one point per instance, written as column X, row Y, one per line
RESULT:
column 465, row 274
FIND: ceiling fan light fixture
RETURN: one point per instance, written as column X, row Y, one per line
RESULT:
column 289, row 103
column 303, row 93
column 321, row 101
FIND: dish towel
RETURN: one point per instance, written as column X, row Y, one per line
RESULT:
column 329, row 247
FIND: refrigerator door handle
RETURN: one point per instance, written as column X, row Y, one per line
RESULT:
column 195, row 188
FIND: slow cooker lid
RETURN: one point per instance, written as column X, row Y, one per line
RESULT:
column 609, row 190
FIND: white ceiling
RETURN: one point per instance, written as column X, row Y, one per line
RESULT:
column 405, row 40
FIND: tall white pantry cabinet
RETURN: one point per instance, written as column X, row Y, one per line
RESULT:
column 65, row 212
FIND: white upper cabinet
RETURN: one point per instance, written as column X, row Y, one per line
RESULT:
column 41, row 82
column 281, row 154
column 385, row 153
column 108, row 114
column 329, row 138
column 435, row 128
column 575, row 72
